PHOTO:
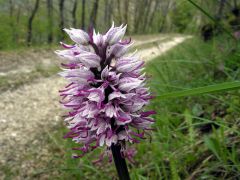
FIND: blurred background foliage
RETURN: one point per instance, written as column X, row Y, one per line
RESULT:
column 39, row 22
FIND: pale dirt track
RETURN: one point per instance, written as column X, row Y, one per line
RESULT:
column 27, row 112
column 150, row 53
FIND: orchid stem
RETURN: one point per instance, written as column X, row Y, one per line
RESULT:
column 120, row 163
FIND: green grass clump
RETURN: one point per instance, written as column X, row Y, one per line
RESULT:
column 195, row 137
column 196, row 132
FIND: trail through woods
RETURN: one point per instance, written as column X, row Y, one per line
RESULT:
column 30, row 112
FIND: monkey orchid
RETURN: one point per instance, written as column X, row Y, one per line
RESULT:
column 106, row 93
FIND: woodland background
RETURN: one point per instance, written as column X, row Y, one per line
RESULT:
column 39, row 22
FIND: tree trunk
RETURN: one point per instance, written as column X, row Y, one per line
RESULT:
column 50, row 20
column 119, row 11
column 74, row 10
column 220, row 10
column 126, row 8
column 135, row 16
column 11, row 23
column 61, row 23
column 164, row 14
column 106, row 10
column 152, row 15
column 235, row 3
column 93, row 16
column 10, row 8
column 139, row 14
column 110, row 12
column 30, row 20
column 83, row 14
column 146, row 15
column 17, row 23
column 106, row 13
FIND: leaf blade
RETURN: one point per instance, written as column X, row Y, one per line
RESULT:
column 202, row 90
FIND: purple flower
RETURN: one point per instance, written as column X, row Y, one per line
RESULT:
column 78, row 35
column 115, row 34
column 106, row 93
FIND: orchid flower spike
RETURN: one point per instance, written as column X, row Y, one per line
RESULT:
column 106, row 94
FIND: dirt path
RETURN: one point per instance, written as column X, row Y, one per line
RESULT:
column 13, row 63
column 151, row 40
column 150, row 53
column 16, row 62
column 26, row 112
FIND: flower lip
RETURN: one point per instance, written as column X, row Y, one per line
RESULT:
column 126, row 41
column 147, row 113
column 67, row 46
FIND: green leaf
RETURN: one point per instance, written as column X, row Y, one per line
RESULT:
column 202, row 90
column 213, row 145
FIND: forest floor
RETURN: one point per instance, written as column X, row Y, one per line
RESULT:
column 29, row 107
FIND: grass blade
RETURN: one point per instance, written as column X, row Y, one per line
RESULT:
column 202, row 90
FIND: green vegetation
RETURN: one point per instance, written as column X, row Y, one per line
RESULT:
column 195, row 137
column 142, row 17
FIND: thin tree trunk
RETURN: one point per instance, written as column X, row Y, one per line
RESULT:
column 152, row 15
column 30, row 20
column 135, row 16
column 50, row 20
column 93, row 16
column 11, row 23
column 126, row 8
column 146, row 14
column 106, row 12
column 140, row 9
column 83, row 14
column 165, row 12
column 17, row 23
column 220, row 10
column 110, row 11
column 61, row 14
column 119, row 11
column 10, row 8
column 74, row 10
column 235, row 3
